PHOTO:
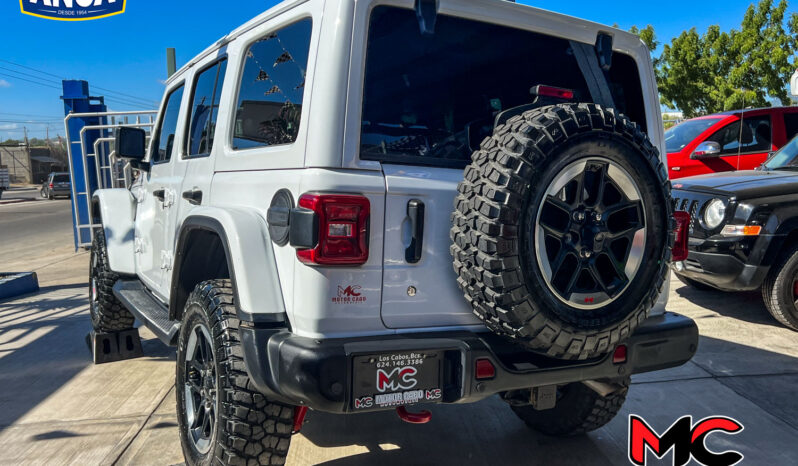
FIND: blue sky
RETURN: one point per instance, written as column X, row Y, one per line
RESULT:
column 127, row 53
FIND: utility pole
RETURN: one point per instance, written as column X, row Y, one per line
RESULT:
column 171, row 62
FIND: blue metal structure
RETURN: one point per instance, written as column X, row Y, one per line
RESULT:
column 84, row 171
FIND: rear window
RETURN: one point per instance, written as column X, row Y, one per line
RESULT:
column 61, row 179
column 430, row 100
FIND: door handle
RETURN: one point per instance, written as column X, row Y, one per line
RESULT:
column 415, row 211
column 159, row 194
column 193, row 196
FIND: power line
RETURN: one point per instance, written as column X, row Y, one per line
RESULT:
column 30, row 115
column 111, row 99
column 30, row 75
column 144, row 100
column 31, row 81
column 30, row 122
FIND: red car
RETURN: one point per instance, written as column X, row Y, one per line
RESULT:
column 719, row 143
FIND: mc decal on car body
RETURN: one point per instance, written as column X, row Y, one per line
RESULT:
column 686, row 440
column 349, row 294
column 72, row 10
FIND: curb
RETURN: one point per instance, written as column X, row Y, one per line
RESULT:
column 15, row 284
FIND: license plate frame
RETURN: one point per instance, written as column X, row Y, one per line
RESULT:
column 396, row 378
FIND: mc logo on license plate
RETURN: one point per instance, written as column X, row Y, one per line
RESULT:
column 400, row 378
column 72, row 10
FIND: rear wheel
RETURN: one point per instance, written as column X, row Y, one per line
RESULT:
column 693, row 284
column 780, row 289
column 579, row 410
column 107, row 313
column 222, row 418
column 561, row 233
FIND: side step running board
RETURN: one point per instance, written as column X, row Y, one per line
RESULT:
column 151, row 312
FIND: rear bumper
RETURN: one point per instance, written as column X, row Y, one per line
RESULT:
column 318, row 373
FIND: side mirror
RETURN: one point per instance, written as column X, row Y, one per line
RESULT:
column 706, row 150
column 130, row 143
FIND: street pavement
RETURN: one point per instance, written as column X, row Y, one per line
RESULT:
column 56, row 407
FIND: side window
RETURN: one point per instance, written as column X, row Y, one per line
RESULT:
column 164, row 140
column 269, row 103
column 754, row 137
column 791, row 125
column 205, row 109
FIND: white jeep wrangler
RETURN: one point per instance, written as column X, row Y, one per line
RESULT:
column 315, row 176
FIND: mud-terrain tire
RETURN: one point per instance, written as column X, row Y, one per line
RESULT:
column 243, row 426
column 693, row 283
column 579, row 410
column 495, row 229
column 780, row 289
column 107, row 313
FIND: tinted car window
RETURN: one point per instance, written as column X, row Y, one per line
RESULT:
column 205, row 109
column 755, row 136
column 791, row 125
column 164, row 139
column 61, row 178
column 785, row 158
column 432, row 99
column 272, row 87
column 678, row 137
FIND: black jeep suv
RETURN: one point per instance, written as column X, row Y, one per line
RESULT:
column 744, row 232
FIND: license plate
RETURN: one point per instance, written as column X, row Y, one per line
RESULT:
column 395, row 379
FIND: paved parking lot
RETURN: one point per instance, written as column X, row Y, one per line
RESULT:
column 58, row 408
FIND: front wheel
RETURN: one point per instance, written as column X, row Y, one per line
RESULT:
column 108, row 314
column 222, row 418
column 579, row 410
column 780, row 290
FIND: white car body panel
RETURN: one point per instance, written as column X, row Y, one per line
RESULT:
column 118, row 212
column 238, row 185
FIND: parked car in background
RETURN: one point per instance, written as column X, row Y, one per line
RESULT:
column 5, row 180
column 56, row 184
column 744, row 232
column 723, row 142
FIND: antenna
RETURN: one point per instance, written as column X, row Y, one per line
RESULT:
column 740, row 137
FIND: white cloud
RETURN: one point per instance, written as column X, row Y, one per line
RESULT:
column 4, row 83
column 9, row 126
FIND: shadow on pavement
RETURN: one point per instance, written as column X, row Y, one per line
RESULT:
column 745, row 305
column 43, row 347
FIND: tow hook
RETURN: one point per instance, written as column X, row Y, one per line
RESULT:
column 299, row 418
column 422, row 417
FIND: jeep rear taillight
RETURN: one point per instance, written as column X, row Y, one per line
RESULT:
column 343, row 224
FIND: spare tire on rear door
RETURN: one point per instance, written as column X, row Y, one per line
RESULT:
column 561, row 231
